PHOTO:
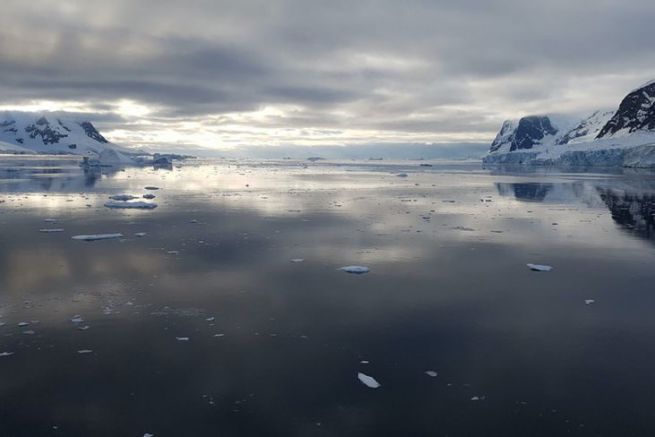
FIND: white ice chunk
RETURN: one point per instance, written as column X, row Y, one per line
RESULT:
column 130, row 205
column 93, row 237
column 140, row 234
column 6, row 354
column 21, row 324
column 589, row 301
column 368, row 381
column 358, row 270
column 539, row 267
column 84, row 351
column 297, row 260
column 77, row 319
column 182, row 338
column 47, row 231
column 431, row 373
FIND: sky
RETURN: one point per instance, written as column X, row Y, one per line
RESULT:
column 225, row 74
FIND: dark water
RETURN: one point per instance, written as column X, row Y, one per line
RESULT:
column 274, row 347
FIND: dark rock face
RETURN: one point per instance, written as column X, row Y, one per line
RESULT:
column 42, row 128
column 92, row 132
column 636, row 112
column 530, row 131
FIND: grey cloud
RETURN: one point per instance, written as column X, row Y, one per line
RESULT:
column 382, row 62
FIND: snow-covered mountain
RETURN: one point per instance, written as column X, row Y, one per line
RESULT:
column 51, row 133
column 623, row 137
column 636, row 112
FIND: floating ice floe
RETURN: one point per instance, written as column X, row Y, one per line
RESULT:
column 29, row 332
column 123, row 197
column 431, row 373
column 6, row 354
column 589, row 301
column 47, row 231
column 94, row 237
column 358, row 270
column 148, row 435
column 84, row 351
column 140, row 234
column 297, row 260
column 182, row 338
column 130, row 205
column 478, row 398
column 50, row 220
column 368, row 381
column 539, row 268
column 21, row 324
column 77, row 319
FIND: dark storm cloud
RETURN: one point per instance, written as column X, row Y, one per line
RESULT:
column 413, row 66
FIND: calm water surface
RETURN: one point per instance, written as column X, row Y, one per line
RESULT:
column 274, row 347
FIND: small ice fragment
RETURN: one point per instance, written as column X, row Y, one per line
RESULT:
column 123, row 197
column 21, row 324
column 140, row 234
column 148, row 435
column 364, row 362
column 358, row 270
column 210, row 319
column 539, row 268
column 368, row 381
column 6, row 354
column 182, row 338
column 219, row 335
column 173, row 252
column 84, row 351
column 50, row 220
column 83, row 328
column 130, row 205
column 94, row 237
column 478, row 398
column 297, row 260
column 589, row 301
column 50, row 230
column 431, row 373
column 29, row 332
column 77, row 319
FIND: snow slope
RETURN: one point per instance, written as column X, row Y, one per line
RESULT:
column 13, row 149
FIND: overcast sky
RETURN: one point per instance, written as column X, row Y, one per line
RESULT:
column 221, row 74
